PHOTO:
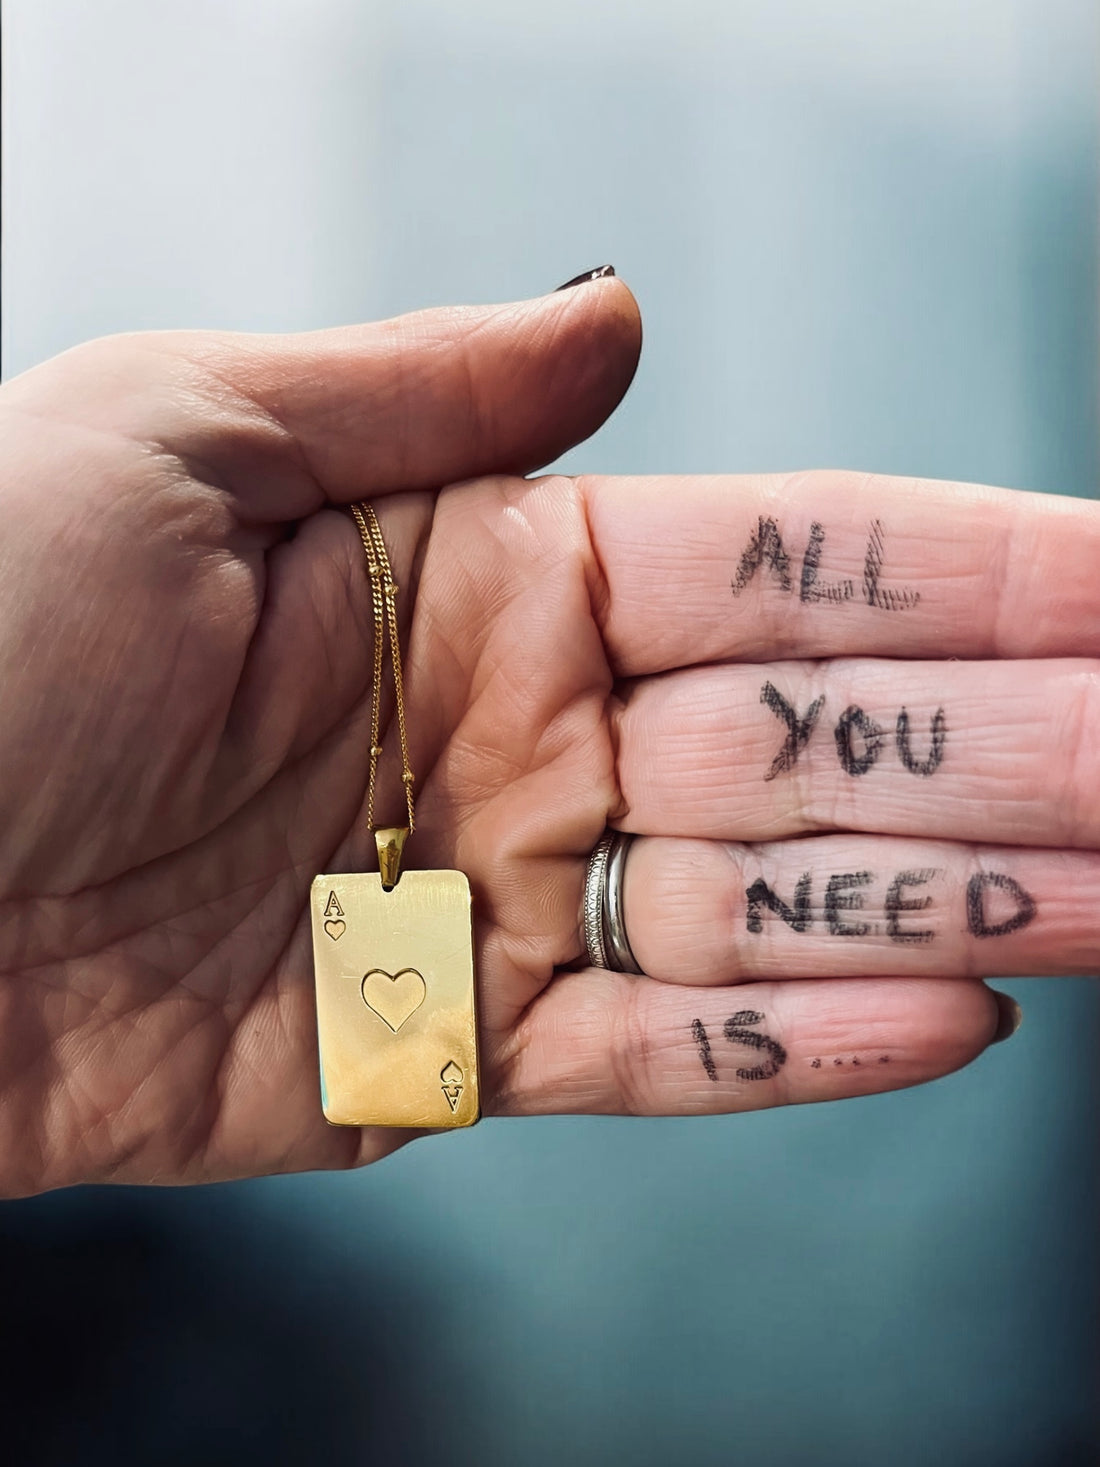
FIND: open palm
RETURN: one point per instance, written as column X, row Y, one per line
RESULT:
column 186, row 663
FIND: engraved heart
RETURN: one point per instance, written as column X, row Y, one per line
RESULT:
column 394, row 997
column 335, row 929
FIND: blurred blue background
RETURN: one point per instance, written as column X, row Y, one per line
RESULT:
column 863, row 235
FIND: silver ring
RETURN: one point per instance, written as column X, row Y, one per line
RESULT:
column 604, row 928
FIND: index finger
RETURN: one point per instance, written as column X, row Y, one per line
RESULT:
column 823, row 564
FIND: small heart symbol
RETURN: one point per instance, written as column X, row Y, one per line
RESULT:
column 335, row 929
column 394, row 997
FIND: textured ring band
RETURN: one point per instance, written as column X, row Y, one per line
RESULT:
column 604, row 929
column 593, row 903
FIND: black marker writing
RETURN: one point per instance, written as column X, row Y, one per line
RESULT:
column 842, row 894
column 810, row 588
column 876, row 595
column 870, row 733
column 765, row 547
column 706, row 1059
column 760, row 895
column 815, row 1064
column 738, row 1030
column 798, row 729
column 776, row 1055
column 976, row 917
column 896, row 904
column 858, row 737
column 935, row 753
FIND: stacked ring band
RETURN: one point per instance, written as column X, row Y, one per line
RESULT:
column 604, row 928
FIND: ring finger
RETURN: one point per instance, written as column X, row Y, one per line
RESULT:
column 710, row 912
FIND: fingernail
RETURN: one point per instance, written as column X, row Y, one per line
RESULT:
column 1009, row 1016
column 600, row 273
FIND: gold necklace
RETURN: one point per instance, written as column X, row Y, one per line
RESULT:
column 393, row 951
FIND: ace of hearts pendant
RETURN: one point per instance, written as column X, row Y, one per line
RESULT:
column 392, row 950
column 395, row 999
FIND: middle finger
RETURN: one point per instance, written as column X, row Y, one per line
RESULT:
column 993, row 751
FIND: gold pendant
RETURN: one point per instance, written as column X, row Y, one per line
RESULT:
column 395, row 999
column 393, row 954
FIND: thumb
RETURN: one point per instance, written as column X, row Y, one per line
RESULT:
column 416, row 402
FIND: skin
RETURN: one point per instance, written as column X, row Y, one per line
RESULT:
column 185, row 654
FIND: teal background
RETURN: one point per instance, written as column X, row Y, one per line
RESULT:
column 862, row 234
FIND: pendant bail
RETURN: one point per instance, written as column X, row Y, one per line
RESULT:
column 390, row 840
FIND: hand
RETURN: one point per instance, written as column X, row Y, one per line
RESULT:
column 185, row 657
column 187, row 715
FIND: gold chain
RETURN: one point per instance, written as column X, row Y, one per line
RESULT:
column 384, row 591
